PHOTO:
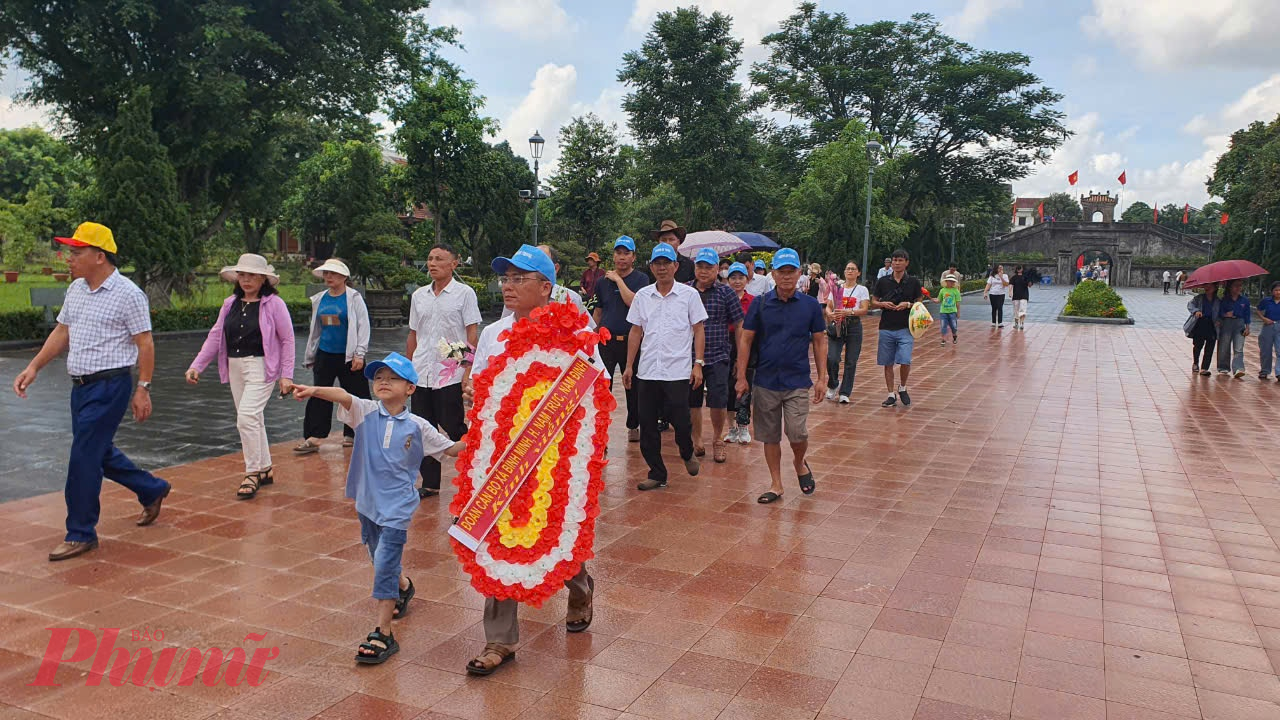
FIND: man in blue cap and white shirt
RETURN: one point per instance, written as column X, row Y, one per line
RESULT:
column 527, row 279
column 759, row 283
column 787, row 323
column 724, row 313
column 614, row 294
column 668, row 317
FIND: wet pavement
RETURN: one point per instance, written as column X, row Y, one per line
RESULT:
column 1065, row 524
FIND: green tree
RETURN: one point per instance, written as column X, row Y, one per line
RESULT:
column 826, row 211
column 486, row 217
column 1246, row 178
column 687, row 113
column 585, row 187
column 971, row 118
column 1138, row 212
column 32, row 158
column 222, row 74
column 1062, row 208
column 439, row 124
column 135, row 193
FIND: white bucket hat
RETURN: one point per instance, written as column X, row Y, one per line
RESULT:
column 332, row 265
column 251, row 263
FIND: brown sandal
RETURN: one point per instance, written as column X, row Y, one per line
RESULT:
column 718, row 451
column 306, row 447
column 493, row 657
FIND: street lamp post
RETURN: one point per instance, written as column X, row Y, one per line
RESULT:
column 535, row 149
column 873, row 147
column 953, row 227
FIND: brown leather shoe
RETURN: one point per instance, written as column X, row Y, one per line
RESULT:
column 69, row 549
column 152, row 511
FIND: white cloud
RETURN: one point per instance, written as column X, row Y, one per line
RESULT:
column 608, row 107
column 1182, row 33
column 545, row 109
column 18, row 115
column 973, row 17
column 543, row 20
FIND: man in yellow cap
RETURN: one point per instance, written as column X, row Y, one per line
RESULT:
column 105, row 328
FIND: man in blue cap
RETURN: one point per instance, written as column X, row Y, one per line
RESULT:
column 670, row 315
column 787, row 324
column 759, row 283
column 390, row 443
column 724, row 314
column 614, row 294
column 527, row 279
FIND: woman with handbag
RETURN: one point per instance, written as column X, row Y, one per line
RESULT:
column 252, row 340
column 1202, row 327
column 848, row 302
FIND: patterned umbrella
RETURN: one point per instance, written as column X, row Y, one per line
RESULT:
column 1222, row 271
column 720, row 241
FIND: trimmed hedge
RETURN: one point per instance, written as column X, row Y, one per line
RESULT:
column 1094, row 298
column 29, row 324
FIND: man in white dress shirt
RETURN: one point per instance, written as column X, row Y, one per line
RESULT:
column 446, row 309
column 527, row 278
column 668, row 318
column 105, row 329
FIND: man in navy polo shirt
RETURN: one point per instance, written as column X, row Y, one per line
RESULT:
column 614, row 293
column 787, row 323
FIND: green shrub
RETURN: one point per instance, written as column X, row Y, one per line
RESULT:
column 22, row 324
column 1093, row 298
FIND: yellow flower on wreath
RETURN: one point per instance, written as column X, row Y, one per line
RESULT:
column 527, row 535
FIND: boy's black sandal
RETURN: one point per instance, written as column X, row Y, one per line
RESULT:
column 373, row 653
column 402, row 605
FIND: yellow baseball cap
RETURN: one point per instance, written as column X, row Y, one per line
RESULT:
column 91, row 234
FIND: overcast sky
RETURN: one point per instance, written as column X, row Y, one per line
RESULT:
column 1153, row 87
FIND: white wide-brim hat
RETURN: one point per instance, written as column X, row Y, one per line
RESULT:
column 251, row 263
column 332, row 265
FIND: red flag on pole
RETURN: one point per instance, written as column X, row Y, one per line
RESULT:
column 1122, row 176
column 1040, row 212
column 1155, row 215
column 1073, row 177
column 1186, row 213
column 1224, row 219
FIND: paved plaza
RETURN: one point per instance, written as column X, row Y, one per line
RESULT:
column 1064, row 525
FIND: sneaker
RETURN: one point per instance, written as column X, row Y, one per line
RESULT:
column 1239, row 374
column 944, row 342
column 831, row 394
column 731, row 436
column 1001, row 326
column 844, row 399
column 651, row 484
column 744, row 435
column 889, row 401
column 955, row 339
column 906, row 399
column 1262, row 376
column 633, row 434
column 1224, row 372
column 692, row 466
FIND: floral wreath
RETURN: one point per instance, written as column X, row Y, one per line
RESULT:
column 548, row 530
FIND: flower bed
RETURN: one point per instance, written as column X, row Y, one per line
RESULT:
column 1095, row 299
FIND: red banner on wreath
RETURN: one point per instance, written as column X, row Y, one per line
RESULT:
column 525, row 452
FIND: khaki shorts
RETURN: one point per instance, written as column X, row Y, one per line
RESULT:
column 772, row 408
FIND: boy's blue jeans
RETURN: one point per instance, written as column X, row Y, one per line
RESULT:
column 386, row 547
column 1269, row 349
column 950, row 320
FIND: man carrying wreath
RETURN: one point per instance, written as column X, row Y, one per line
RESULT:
column 527, row 279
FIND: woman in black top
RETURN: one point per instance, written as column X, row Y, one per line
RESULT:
column 1021, row 295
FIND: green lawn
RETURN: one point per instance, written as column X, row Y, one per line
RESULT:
column 17, row 296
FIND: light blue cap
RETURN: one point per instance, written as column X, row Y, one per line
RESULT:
column 529, row 259
column 399, row 364
column 708, row 256
column 738, row 267
column 625, row 241
column 759, row 264
column 786, row 257
column 663, row 250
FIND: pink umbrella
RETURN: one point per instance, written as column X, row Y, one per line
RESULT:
column 1222, row 271
column 720, row 241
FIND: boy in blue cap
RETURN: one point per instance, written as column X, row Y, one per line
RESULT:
column 389, row 446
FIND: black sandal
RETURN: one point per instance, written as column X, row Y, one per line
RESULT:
column 402, row 605
column 807, row 485
column 377, row 655
column 265, row 478
column 505, row 655
column 424, row 493
column 578, row 626
column 768, row 497
column 251, row 482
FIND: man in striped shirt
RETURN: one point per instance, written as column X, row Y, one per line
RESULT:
column 105, row 328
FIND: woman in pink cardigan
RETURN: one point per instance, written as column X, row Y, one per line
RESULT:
column 253, row 343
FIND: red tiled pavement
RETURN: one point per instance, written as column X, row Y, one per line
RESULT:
column 1064, row 525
